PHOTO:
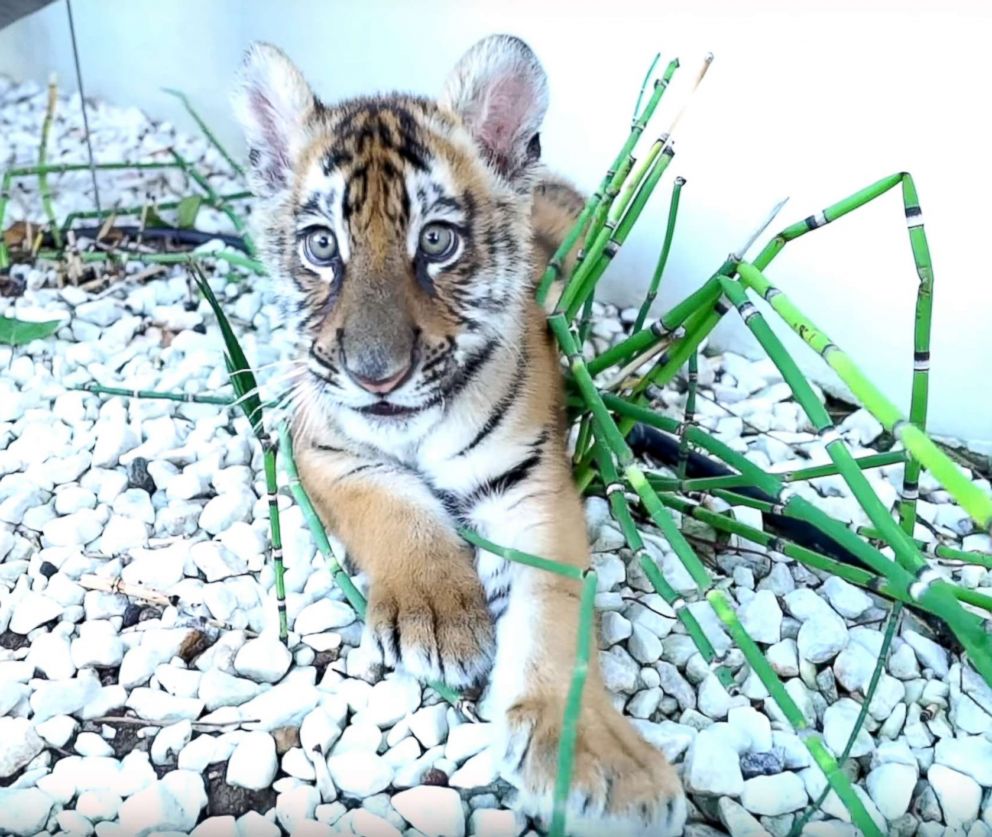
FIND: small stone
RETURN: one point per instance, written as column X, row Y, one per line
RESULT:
column 226, row 509
column 761, row 764
column 738, row 822
column 713, row 766
column 218, row 689
column 762, row 617
column 822, row 636
column 487, row 822
column 674, row 684
column 296, row 806
column 430, row 724
column 360, row 774
column 620, row 670
column 323, row 615
column 774, row 795
column 394, row 698
column 838, row 723
column 56, row 731
column 24, row 811
column 849, row 601
column 614, row 628
column 928, row 652
column 253, row 763
column 754, row 725
column 891, row 788
column 33, row 609
column 971, row 755
column 171, row 804
column 98, row 805
column 19, row 744
column 216, row 561
column 478, row 771
column 959, row 795
column 853, row 667
column 264, row 660
column 161, row 707
column 319, row 731
column 902, row 663
column 91, row 744
column 714, row 701
column 97, row 645
column 170, row 741
column 784, row 658
column 644, row 646
column 435, row 811
column 466, row 740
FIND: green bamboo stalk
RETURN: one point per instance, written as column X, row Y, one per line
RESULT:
column 122, row 258
column 836, row 778
column 689, row 416
column 184, row 397
column 205, row 129
column 573, row 704
column 118, row 211
column 623, row 161
column 972, row 499
column 673, row 211
column 43, row 190
column 831, row 213
column 938, row 550
column 332, row 559
column 731, row 481
column 275, row 531
column 519, row 557
column 609, row 241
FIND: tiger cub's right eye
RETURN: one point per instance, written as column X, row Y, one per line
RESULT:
column 320, row 247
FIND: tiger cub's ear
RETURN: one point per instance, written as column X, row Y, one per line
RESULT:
column 275, row 105
column 500, row 91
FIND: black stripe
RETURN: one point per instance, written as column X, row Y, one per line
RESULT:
column 810, row 222
column 921, row 356
column 913, row 212
column 501, row 407
column 471, row 369
column 501, row 483
column 721, row 307
column 911, row 486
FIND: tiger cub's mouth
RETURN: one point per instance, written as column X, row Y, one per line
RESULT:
column 386, row 409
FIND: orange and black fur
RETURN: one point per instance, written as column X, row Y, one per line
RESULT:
column 405, row 235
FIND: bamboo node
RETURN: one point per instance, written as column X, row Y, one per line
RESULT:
column 613, row 487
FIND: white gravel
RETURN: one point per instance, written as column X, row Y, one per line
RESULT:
column 129, row 719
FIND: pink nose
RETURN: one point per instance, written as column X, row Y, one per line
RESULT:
column 382, row 385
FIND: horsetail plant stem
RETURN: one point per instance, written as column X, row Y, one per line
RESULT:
column 623, row 160
column 673, row 211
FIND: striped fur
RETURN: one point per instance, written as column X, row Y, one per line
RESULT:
column 465, row 425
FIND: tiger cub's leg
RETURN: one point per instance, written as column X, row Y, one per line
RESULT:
column 619, row 779
column 426, row 611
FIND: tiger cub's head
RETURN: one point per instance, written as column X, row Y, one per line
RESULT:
column 396, row 228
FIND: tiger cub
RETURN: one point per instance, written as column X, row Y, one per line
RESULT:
column 404, row 235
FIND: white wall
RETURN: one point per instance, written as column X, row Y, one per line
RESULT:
column 805, row 99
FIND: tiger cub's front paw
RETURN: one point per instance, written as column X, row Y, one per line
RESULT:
column 439, row 632
column 621, row 785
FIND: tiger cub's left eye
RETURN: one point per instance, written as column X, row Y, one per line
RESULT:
column 320, row 247
column 438, row 241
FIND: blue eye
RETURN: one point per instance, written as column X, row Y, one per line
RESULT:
column 320, row 247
